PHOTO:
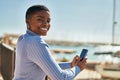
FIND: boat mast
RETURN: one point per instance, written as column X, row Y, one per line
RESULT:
column 113, row 22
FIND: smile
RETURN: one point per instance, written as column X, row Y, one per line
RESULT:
column 45, row 29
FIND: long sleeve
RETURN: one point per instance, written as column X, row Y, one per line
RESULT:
column 64, row 65
column 39, row 53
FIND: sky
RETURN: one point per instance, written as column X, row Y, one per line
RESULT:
column 71, row 20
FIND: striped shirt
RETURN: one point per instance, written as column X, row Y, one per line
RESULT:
column 34, row 61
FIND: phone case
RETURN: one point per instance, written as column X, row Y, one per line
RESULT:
column 83, row 53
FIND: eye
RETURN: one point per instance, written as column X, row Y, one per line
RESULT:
column 48, row 20
column 40, row 20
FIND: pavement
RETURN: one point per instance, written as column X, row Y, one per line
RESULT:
column 83, row 75
column 87, row 74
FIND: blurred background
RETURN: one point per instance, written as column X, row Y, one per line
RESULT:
column 75, row 24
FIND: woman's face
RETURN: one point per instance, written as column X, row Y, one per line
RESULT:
column 39, row 22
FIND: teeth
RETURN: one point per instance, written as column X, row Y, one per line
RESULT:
column 44, row 28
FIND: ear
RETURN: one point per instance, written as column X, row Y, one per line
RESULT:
column 27, row 23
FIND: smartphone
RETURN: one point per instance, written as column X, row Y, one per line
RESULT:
column 83, row 54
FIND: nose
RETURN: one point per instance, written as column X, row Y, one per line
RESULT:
column 45, row 23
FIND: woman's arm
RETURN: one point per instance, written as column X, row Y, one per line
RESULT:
column 40, row 54
column 64, row 65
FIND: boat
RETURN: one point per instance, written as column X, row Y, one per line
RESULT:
column 111, row 71
column 110, row 63
column 62, row 51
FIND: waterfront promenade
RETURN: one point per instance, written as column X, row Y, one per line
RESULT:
column 84, row 75
column 87, row 74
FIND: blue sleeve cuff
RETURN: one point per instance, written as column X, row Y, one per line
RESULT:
column 65, row 65
column 78, row 69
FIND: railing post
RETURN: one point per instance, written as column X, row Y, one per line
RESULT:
column 13, row 62
column 7, row 62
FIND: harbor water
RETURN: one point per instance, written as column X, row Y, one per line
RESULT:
column 91, row 52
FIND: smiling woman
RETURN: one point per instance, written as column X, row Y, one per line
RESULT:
column 38, row 22
column 33, row 57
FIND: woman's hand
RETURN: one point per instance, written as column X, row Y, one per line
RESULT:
column 75, row 60
column 82, row 64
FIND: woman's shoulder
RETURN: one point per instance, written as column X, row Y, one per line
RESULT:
column 34, row 39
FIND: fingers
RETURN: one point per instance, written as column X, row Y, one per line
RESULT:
column 84, row 61
column 74, row 61
column 77, row 57
column 82, row 64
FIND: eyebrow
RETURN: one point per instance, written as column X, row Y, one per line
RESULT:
column 40, row 16
column 43, row 17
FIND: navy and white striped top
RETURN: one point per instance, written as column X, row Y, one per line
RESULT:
column 34, row 61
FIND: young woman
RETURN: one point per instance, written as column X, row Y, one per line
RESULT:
column 33, row 58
